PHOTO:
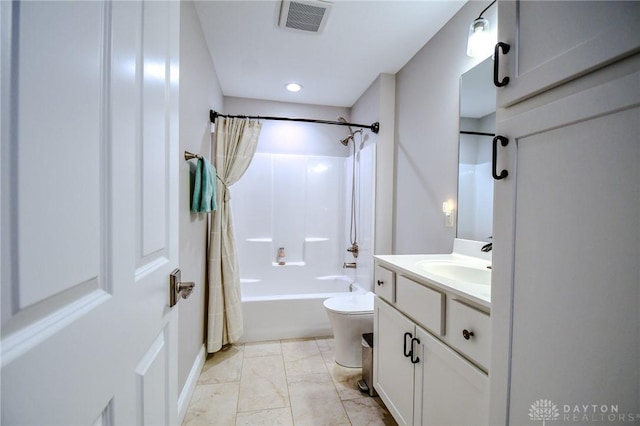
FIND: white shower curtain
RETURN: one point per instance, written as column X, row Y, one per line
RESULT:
column 235, row 143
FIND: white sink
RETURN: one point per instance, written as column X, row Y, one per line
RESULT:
column 475, row 274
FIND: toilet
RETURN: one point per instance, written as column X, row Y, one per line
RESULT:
column 351, row 316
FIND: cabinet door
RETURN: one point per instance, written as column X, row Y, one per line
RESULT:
column 555, row 41
column 392, row 371
column 449, row 389
column 566, row 253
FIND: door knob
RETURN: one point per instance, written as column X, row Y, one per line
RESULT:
column 178, row 288
column 467, row 334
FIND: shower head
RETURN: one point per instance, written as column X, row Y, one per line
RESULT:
column 345, row 141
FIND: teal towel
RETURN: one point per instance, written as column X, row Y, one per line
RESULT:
column 204, row 188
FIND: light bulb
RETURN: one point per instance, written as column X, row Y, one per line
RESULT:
column 480, row 43
column 293, row 87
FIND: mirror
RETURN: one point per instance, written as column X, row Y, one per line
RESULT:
column 477, row 127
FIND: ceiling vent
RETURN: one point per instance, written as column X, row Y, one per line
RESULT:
column 304, row 15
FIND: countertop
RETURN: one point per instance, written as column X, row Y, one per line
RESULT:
column 408, row 265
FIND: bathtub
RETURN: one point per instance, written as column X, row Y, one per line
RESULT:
column 289, row 309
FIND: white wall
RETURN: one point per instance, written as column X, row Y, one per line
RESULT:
column 199, row 92
column 427, row 109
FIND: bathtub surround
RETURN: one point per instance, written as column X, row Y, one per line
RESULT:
column 302, row 202
column 301, row 179
column 236, row 141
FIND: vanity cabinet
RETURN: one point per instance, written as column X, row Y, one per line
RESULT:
column 565, row 290
column 385, row 280
column 422, row 371
column 551, row 42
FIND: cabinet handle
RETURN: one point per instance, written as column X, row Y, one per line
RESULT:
column 404, row 351
column 467, row 334
column 416, row 359
column 504, row 142
column 496, row 64
column 380, row 282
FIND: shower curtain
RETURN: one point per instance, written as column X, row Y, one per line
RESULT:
column 235, row 143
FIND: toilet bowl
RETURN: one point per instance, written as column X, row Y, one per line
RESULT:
column 350, row 316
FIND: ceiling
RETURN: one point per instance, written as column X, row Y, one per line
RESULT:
column 255, row 58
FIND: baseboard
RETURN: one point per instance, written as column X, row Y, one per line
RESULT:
column 190, row 385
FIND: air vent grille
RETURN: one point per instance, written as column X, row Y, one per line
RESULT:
column 308, row 16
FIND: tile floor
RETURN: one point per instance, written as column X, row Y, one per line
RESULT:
column 287, row 382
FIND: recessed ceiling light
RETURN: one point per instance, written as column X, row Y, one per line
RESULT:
column 293, row 87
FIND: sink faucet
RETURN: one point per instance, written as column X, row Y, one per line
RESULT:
column 487, row 247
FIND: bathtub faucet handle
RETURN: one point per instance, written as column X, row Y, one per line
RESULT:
column 351, row 265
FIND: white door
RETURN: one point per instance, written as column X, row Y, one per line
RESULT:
column 89, row 214
column 566, row 257
column 552, row 42
column 450, row 390
column 393, row 371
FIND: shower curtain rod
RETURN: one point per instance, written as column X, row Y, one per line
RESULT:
column 465, row 132
column 375, row 127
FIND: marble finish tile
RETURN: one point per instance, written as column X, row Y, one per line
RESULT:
column 314, row 401
column 325, row 343
column 276, row 416
column 293, row 350
column 223, row 366
column 213, row 404
column 263, row 384
column 368, row 412
column 252, row 350
column 346, row 380
column 302, row 357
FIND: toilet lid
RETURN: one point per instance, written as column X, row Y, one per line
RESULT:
column 351, row 304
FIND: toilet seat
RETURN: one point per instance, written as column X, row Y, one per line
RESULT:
column 352, row 304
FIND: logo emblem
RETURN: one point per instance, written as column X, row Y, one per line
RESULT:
column 544, row 409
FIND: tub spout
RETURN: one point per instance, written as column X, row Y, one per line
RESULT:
column 349, row 265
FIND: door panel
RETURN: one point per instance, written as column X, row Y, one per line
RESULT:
column 42, row 220
column 555, row 41
column 89, row 235
column 583, row 302
column 566, row 253
column 394, row 385
column 153, row 157
column 453, row 392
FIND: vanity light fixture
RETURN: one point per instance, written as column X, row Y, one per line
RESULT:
column 480, row 43
column 293, row 87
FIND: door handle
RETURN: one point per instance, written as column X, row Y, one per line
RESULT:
column 504, row 142
column 404, row 351
column 178, row 288
column 416, row 359
column 496, row 64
